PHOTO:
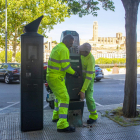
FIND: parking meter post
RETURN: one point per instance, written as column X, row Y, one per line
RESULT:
column 31, row 87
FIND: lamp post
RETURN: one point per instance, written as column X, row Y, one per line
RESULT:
column 5, row 31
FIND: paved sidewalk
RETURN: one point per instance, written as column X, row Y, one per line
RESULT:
column 103, row 129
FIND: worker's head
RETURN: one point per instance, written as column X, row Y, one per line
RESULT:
column 68, row 40
column 84, row 49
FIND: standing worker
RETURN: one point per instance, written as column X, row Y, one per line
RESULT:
column 58, row 65
column 88, row 69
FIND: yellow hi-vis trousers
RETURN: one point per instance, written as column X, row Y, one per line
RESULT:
column 90, row 101
column 59, row 89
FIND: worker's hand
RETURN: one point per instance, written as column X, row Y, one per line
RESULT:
column 82, row 95
column 76, row 74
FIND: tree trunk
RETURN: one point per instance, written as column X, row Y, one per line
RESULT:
column 14, row 49
column 130, row 89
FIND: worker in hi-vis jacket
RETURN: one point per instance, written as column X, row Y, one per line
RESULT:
column 58, row 66
column 88, row 69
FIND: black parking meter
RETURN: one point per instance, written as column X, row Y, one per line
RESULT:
column 32, row 78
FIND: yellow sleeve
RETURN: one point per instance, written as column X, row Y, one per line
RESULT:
column 65, row 62
column 90, row 74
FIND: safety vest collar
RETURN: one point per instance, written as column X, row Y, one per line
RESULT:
column 88, row 56
column 61, row 43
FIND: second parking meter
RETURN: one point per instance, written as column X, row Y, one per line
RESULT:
column 31, row 78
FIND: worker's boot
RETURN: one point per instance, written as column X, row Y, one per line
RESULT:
column 67, row 130
column 90, row 121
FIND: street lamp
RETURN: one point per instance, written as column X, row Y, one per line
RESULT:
column 5, row 31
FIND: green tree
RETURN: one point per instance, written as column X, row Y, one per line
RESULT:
column 55, row 42
column 22, row 12
column 18, row 57
column 9, row 56
column 2, row 56
column 86, row 7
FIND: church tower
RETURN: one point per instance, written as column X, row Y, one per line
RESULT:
column 95, row 31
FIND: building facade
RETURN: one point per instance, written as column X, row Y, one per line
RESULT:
column 105, row 42
column 106, row 47
column 48, row 46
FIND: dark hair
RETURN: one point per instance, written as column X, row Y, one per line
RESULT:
column 67, row 38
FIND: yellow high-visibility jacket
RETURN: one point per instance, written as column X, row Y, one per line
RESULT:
column 59, row 61
column 88, row 69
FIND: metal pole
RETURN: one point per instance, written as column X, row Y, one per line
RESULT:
column 5, row 31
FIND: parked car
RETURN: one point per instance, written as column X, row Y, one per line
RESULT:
column 45, row 69
column 9, row 72
column 98, row 73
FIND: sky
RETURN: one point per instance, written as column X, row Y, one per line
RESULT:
column 109, row 23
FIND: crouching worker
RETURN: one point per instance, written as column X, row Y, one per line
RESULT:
column 88, row 69
column 58, row 65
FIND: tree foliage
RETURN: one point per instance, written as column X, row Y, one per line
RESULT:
column 9, row 56
column 86, row 7
column 18, row 57
column 55, row 42
column 22, row 12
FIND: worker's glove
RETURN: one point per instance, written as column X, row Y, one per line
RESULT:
column 76, row 74
column 82, row 95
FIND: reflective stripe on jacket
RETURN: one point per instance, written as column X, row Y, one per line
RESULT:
column 88, row 69
column 59, row 63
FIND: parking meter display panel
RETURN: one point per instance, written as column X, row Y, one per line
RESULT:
column 76, row 41
column 61, row 38
column 68, row 32
column 32, row 51
column 74, row 48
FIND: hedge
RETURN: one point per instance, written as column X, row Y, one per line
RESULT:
column 102, row 60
